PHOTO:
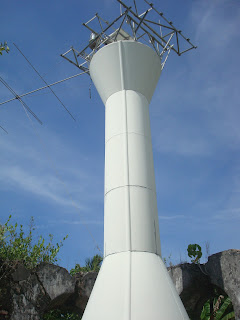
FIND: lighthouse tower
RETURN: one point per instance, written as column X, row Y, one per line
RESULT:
column 133, row 282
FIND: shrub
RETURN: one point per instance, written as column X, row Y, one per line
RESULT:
column 195, row 252
column 91, row 264
column 4, row 47
column 219, row 308
column 16, row 245
column 58, row 315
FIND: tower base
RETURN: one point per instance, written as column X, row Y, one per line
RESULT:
column 134, row 286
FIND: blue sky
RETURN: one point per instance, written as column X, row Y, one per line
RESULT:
column 55, row 172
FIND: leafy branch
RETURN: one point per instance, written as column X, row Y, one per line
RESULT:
column 4, row 47
column 195, row 252
column 15, row 245
column 91, row 264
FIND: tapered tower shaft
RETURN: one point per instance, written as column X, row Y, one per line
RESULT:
column 131, row 219
column 133, row 283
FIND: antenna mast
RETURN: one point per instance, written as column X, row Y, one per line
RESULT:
column 130, row 25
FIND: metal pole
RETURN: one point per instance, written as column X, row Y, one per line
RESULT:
column 53, row 84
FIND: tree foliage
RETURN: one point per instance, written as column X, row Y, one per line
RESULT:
column 91, row 264
column 58, row 315
column 195, row 252
column 16, row 245
column 4, row 47
column 220, row 308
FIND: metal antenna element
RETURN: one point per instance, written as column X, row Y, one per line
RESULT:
column 3, row 129
column 90, row 90
column 137, row 27
column 44, row 82
column 135, row 6
column 18, row 98
column 45, row 87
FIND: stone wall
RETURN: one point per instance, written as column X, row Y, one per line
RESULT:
column 28, row 294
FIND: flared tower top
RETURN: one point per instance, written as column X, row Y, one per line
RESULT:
column 125, row 65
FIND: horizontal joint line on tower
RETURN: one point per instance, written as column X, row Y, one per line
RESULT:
column 129, row 185
column 125, row 89
column 118, row 134
column 131, row 251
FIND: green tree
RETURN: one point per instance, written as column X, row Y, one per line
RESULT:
column 4, row 47
column 91, row 264
column 195, row 252
column 16, row 245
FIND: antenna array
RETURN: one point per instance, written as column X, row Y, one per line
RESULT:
column 19, row 97
column 146, row 27
column 44, row 81
column 25, row 107
column 150, row 27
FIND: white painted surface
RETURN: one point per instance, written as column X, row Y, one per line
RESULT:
column 138, row 64
column 131, row 217
column 137, row 114
column 143, row 229
column 133, row 283
column 134, row 286
column 140, row 162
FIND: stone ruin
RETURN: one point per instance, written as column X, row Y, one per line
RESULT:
column 28, row 294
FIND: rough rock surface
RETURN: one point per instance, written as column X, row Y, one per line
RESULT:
column 57, row 283
column 223, row 269
column 193, row 286
column 196, row 283
column 22, row 296
column 27, row 294
column 84, row 286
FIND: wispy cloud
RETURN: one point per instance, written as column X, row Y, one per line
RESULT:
column 195, row 112
column 30, row 169
column 229, row 214
column 213, row 23
column 194, row 120
column 82, row 222
column 46, row 186
column 176, row 138
column 172, row 217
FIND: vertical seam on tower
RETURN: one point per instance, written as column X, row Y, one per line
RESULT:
column 128, row 188
column 155, row 237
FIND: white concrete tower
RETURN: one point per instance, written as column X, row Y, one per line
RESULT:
column 133, row 283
